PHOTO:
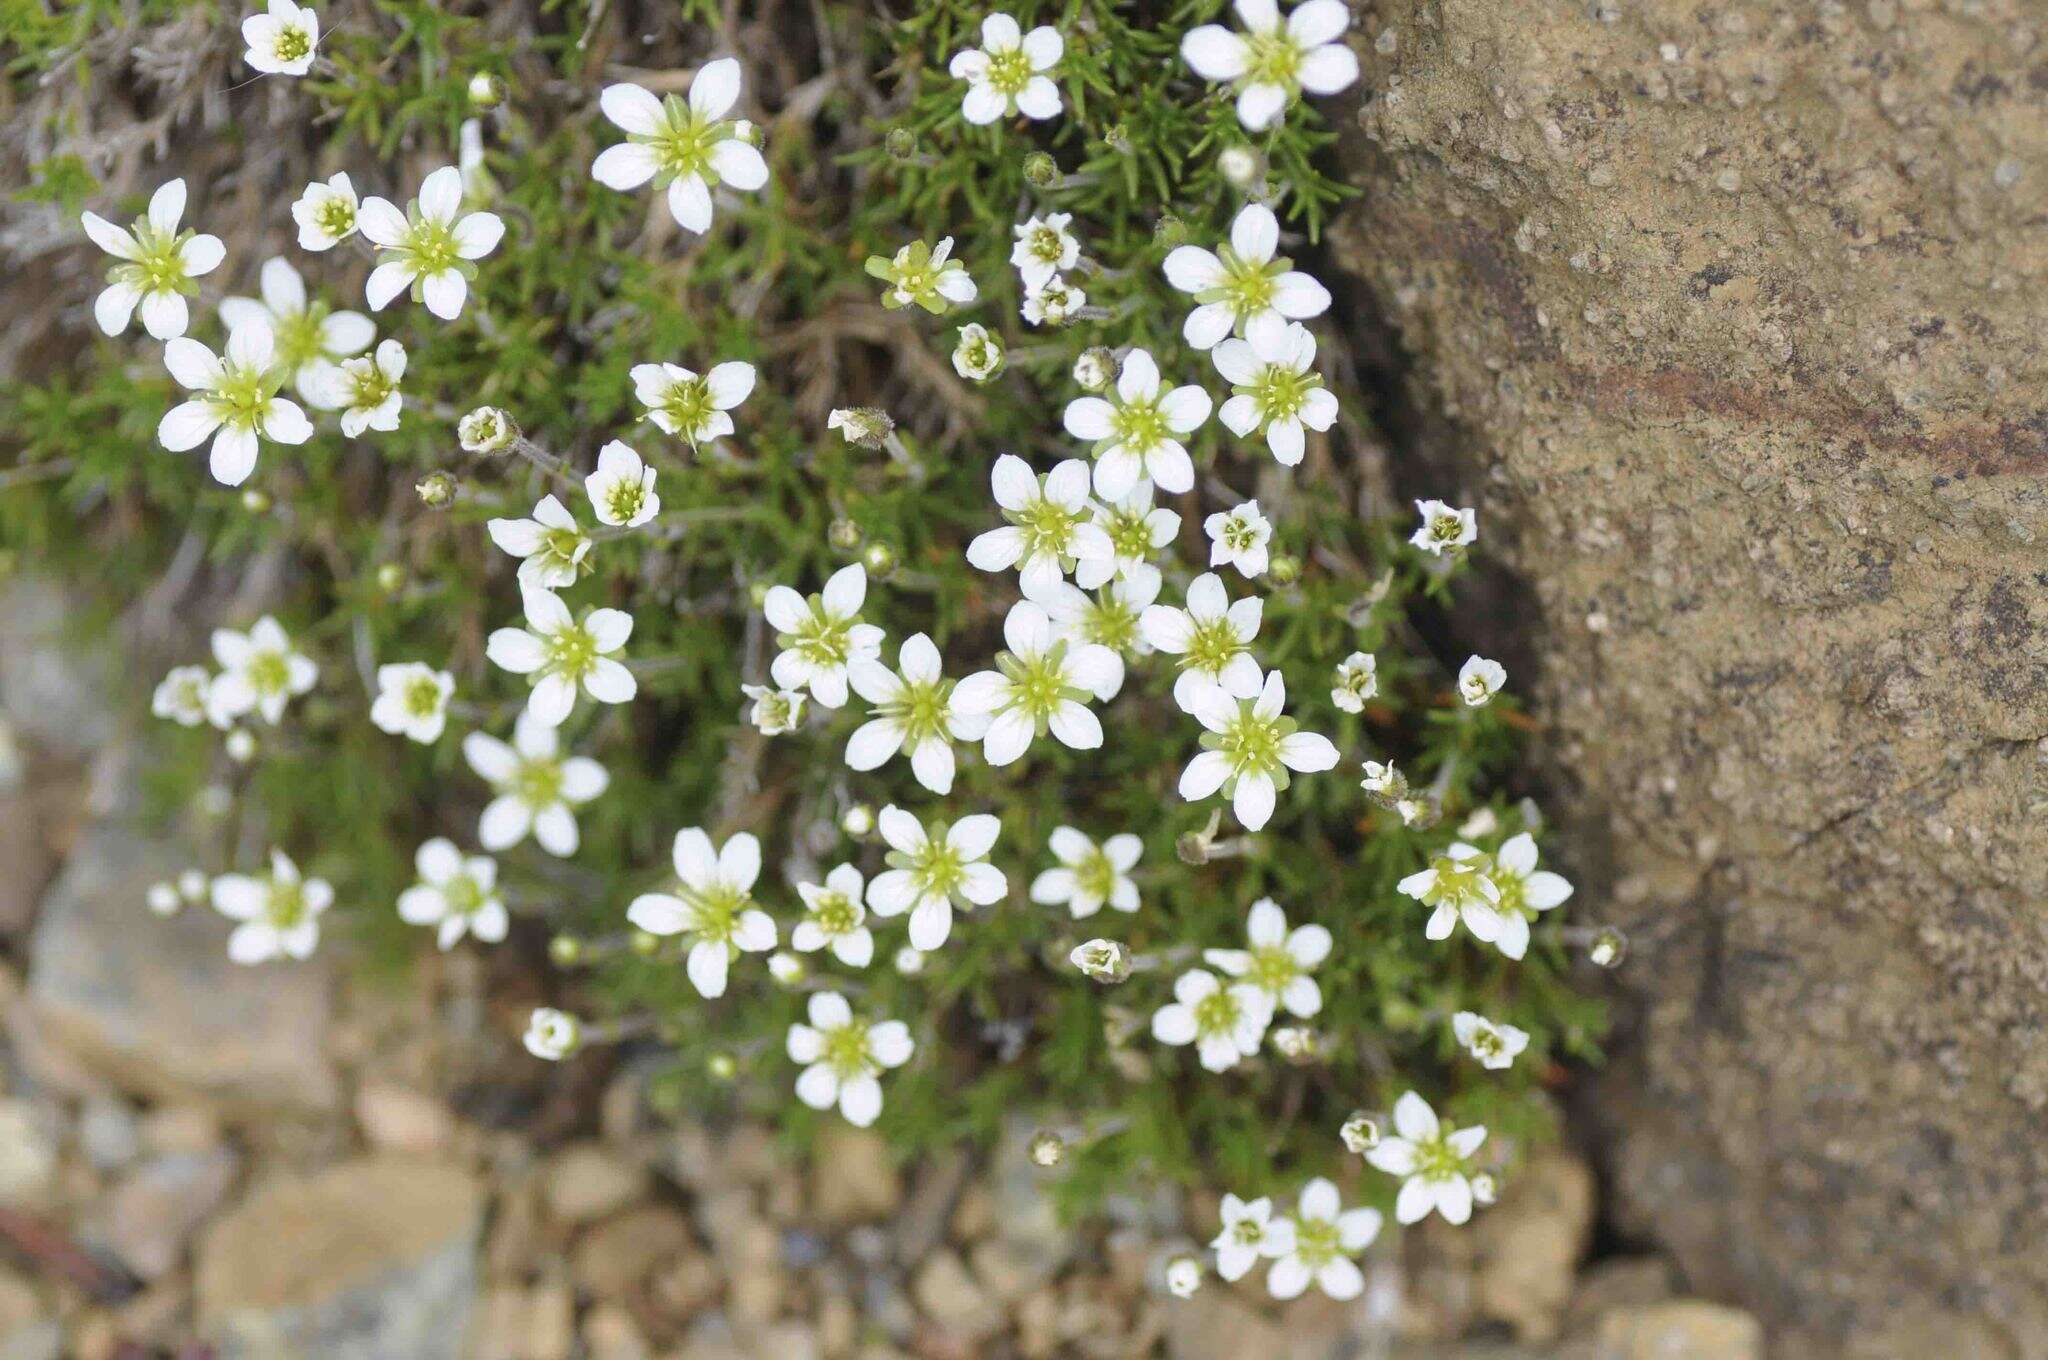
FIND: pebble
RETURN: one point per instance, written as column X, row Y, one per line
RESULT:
column 589, row 1181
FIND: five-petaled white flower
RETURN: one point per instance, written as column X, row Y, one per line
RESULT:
column 158, row 264
column 621, row 491
column 1044, row 248
column 693, row 407
column 1009, row 72
column 1237, row 283
column 1248, row 750
column 1212, row 637
column 1249, row 1233
column 562, row 653
column 1494, row 1045
column 537, row 789
column 430, row 248
column 363, row 389
column 551, row 546
column 1444, row 528
column 979, row 354
column 1277, row 390
column 282, row 41
column 260, row 671
column 308, row 336
column 931, row 867
column 1357, row 679
column 1479, row 680
column 278, row 912
column 1524, row 891
column 1136, row 530
column 1459, row 885
column 686, row 146
column 1089, row 876
column 457, row 894
column 916, row 709
column 1225, row 1023
column 844, row 1057
column 1326, row 1236
column 924, row 276
column 1239, row 538
column 1052, row 303
column 713, row 904
column 836, row 918
column 1434, row 1162
column 822, row 636
column 1043, row 681
column 1279, row 961
column 1051, row 527
column 1109, row 618
column 326, row 213
column 234, row 400
column 1270, row 63
column 181, row 695
column 773, row 711
column 1137, row 435
column 412, row 700
column 552, row 1035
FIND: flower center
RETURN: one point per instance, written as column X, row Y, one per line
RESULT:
column 1457, row 880
column 938, row 867
column 1212, row 647
column 1272, row 59
column 1437, row 1160
column 715, row 911
column 298, row 337
column 159, row 265
column 1130, row 534
column 688, row 403
column 836, row 914
column 1253, row 743
column 1280, row 391
column 538, row 784
column 846, row 1050
column 572, row 652
column 1249, row 285
column 1246, row 1233
column 1048, row 527
column 683, row 146
column 1009, row 71
column 1239, row 535
column 423, row 698
column 1038, row 684
column 336, row 215
column 1113, row 624
column 368, row 389
column 268, row 673
column 1273, row 968
column 1139, row 425
column 624, row 499
column 1446, row 529
column 287, row 906
column 240, row 397
column 464, row 895
column 1216, row 1013
column 826, row 641
column 432, row 246
column 921, row 711
column 1044, row 244
column 292, row 44
column 1096, row 876
column 1316, row 1241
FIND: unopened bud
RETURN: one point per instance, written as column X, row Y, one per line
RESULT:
column 255, row 502
column 786, row 968
column 844, row 534
column 486, row 91
column 241, row 744
column 909, row 962
column 901, row 143
column 390, row 576
column 566, row 951
column 722, row 1066
column 858, row 821
column 1284, row 570
column 1047, row 1148
column 163, row 899
column 1170, row 231
column 1041, row 170
column 1095, row 370
column 1485, row 1189
column 1609, row 947
column 1241, row 166
column 1183, row 1277
column 645, row 943
column 880, row 561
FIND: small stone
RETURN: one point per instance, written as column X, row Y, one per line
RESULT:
column 683, row 1288
column 398, row 1119
column 1622, row 1281
column 28, row 1153
column 180, row 1128
column 853, row 1177
column 108, row 1133
column 589, row 1181
column 951, row 1297
column 20, row 1305
column 609, row 1333
column 1008, row 1270
column 149, row 1217
column 614, row 1257
column 1528, row 1246
column 1679, row 1329
column 789, row 1341
column 36, row 1341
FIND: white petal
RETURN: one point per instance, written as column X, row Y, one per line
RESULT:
column 631, row 109
column 1215, row 53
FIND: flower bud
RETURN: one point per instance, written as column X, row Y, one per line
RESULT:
column 241, row 744
column 1183, row 1277
column 552, row 1035
column 786, row 968
column 1241, row 166
column 645, row 943
column 901, row 143
column 722, row 1066
column 486, row 91
column 1041, row 170
column 909, row 962
column 844, row 535
column 1361, row 1133
column 1095, row 370
column 880, row 561
column 1284, row 569
column 487, row 429
column 1485, row 1188
column 858, row 821
column 1047, row 1148
column 1298, row 1043
column 566, row 950
column 1104, row 960
column 1118, row 139
column 1192, row 847
column 255, row 502
column 437, row 489
column 163, row 899
column 748, row 131
column 390, row 576
column 192, row 886
column 1609, row 947
column 1170, row 231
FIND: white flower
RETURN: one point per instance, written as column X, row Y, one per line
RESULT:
column 1326, row 1237
column 562, row 653
column 551, row 547
column 1360, row 1133
column 1183, row 1277
column 1238, row 538
column 1008, row 73
column 456, row 894
column 234, row 400
column 282, row 41
column 1225, row 1024
column 916, row 709
column 835, row 918
column 1104, row 960
column 1495, row 1046
column 713, row 904
column 1212, row 637
column 978, row 355
column 279, row 912
column 823, row 636
column 908, row 962
column 181, row 695
column 844, row 1058
column 551, row 1034
column 412, row 700
column 157, row 269
column 1248, row 750
column 1357, row 679
column 924, row 276
column 431, row 247
column 773, row 711
column 260, row 671
column 1089, row 875
column 1042, row 682
column 537, row 790
column 932, row 867
column 1434, row 1161
column 326, row 213
column 1479, row 680
column 1250, row 1233
column 1051, row 527
column 688, row 147
column 621, row 491
column 1095, row 369
column 1109, row 618
column 308, row 336
column 1237, row 283
column 364, row 390
column 1277, row 390
column 864, row 426
column 1444, row 528
column 1272, row 64
column 1052, row 303
column 1044, row 248
column 1136, row 531
column 1135, row 435
column 1459, row 885
column 1279, row 961
column 691, row 407
column 487, row 429
column 1524, row 891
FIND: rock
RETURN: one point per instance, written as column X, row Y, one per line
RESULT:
column 749, row 1253
column 589, row 1181
column 36, row 1341
column 1008, row 1270
column 1215, row 1326
column 53, row 686
column 28, row 1153
column 180, row 1128
column 609, row 1333
column 853, row 1177
column 1622, row 1281
column 613, row 1258
column 26, row 862
column 398, row 1119
column 787, row 1341
column 150, row 1216
column 20, row 1305
column 155, row 1006
column 1528, row 1245
column 1679, row 1329
column 366, row 1260
column 950, row 1296
column 522, row 1324
column 108, row 1133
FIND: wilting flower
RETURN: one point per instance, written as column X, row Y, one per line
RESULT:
column 1089, row 876
column 712, row 904
column 1277, row 390
column 1237, row 283
column 281, row 41
column 1248, row 750
column 1103, row 960
column 1137, row 434
column 550, row 546
column 278, row 912
column 773, row 711
column 1326, row 1237
column 921, row 276
column 1225, row 1023
column 693, row 408
column 1051, row 527
column 822, row 636
column 845, row 1058
column 1434, row 1162
column 431, row 248
column 932, row 867
column 915, row 709
column 234, row 400
column 326, row 213
column 835, row 918
column 412, row 700
column 260, row 671
column 1270, row 63
column 487, row 429
column 1357, row 680
column 308, row 336
column 1495, row 1046
column 457, row 894
column 1041, row 682
column 1279, row 961
column 1444, row 528
column 689, row 147
column 537, row 789
column 562, row 653
column 1239, row 538
column 621, row 491
column 158, row 264
column 1008, row 73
